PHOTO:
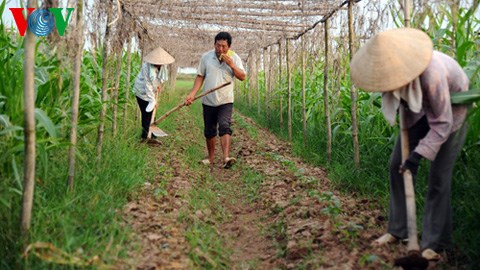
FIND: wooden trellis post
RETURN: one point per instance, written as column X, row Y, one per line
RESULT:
column 325, row 95
column 280, row 81
column 127, row 80
column 406, row 6
column 265, row 81
column 251, row 76
column 289, row 89
column 173, row 72
column 255, row 74
column 258, row 88
column 304, row 109
column 103, row 110
column 118, row 70
column 353, row 89
column 76, row 96
column 29, row 129
column 271, row 83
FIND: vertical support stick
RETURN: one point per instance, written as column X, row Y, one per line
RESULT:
column 325, row 95
column 29, row 129
column 304, row 109
column 280, row 81
column 289, row 79
column 353, row 92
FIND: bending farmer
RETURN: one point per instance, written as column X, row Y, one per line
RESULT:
column 402, row 64
column 147, row 85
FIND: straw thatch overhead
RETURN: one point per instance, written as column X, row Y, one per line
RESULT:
column 187, row 28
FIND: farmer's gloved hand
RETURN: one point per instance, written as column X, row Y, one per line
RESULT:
column 151, row 105
column 411, row 163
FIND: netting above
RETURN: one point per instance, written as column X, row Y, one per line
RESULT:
column 187, row 29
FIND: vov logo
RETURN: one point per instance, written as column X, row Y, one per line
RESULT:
column 41, row 21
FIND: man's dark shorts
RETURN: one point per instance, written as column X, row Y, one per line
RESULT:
column 220, row 117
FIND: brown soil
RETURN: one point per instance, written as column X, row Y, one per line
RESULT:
column 298, row 221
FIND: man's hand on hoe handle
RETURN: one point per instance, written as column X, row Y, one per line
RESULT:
column 411, row 163
column 189, row 99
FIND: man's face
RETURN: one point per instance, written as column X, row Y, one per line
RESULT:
column 221, row 47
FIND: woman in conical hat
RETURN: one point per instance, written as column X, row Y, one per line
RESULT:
column 152, row 74
column 402, row 64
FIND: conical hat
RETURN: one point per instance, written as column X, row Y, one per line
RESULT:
column 159, row 57
column 391, row 59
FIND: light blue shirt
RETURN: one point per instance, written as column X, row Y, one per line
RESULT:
column 147, row 81
column 215, row 74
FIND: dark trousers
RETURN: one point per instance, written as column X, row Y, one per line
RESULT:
column 146, row 117
column 217, row 117
column 437, row 217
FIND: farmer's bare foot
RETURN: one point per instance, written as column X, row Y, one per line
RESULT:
column 431, row 255
column 385, row 239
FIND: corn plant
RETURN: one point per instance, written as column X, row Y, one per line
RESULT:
column 454, row 30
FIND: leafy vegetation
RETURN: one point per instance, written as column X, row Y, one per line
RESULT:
column 85, row 222
column 458, row 38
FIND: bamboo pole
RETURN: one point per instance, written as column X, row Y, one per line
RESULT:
column 271, row 78
column 289, row 89
column 258, row 88
column 280, row 81
column 406, row 7
column 173, row 75
column 325, row 95
column 353, row 89
column 304, row 109
column 251, row 77
column 127, row 80
column 29, row 130
column 118, row 70
column 265, row 81
column 103, row 110
column 76, row 96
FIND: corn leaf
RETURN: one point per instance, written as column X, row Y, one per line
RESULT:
column 467, row 97
column 2, row 8
column 45, row 122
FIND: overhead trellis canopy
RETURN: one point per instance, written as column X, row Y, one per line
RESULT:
column 187, row 28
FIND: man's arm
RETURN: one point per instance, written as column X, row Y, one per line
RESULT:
column 237, row 72
column 197, row 84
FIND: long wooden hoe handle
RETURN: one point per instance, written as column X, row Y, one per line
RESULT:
column 409, row 190
column 149, row 136
column 179, row 106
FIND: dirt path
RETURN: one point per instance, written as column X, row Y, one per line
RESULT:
column 273, row 212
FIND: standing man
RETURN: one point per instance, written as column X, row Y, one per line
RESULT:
column 402, row 64
column 216, row 67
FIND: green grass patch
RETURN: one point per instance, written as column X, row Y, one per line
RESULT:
column 251, row 130
column 85, row 222
column 252, row 181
